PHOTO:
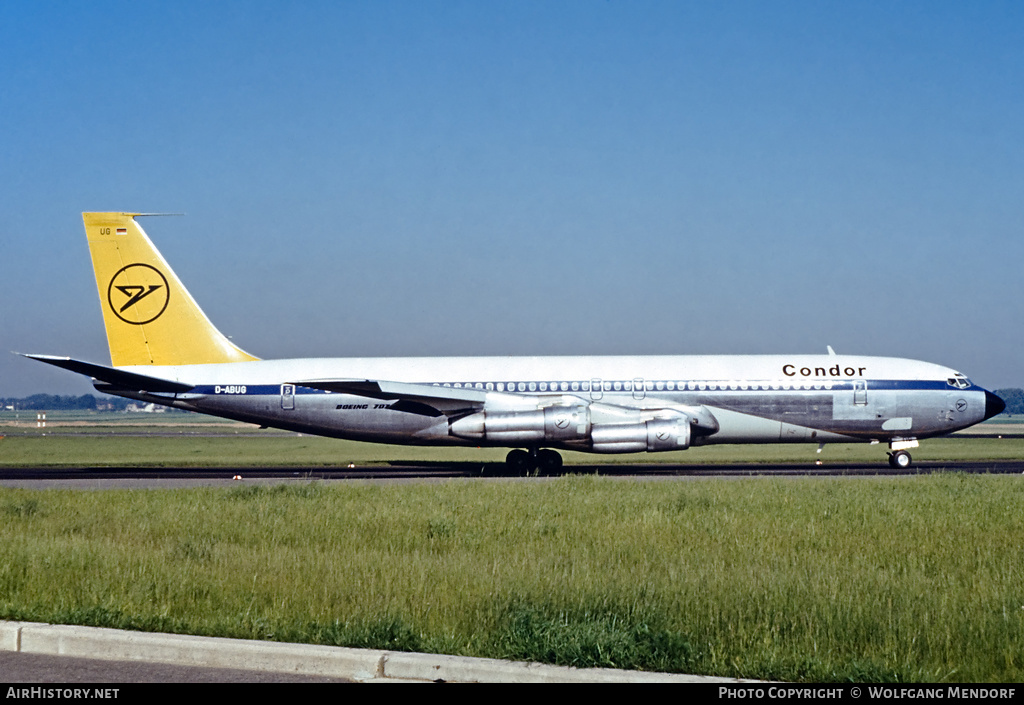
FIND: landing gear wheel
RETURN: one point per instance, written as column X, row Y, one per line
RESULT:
column 900, row 460
column 549, row 462
column 518, row 462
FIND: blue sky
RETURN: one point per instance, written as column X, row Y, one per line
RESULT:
column 488, row 178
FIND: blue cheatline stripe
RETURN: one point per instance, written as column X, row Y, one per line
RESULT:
column 681, row 387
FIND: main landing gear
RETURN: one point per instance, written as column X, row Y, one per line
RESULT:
column 539, row 461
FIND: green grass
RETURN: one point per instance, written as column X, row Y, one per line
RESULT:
column 881, row 579
column 812, row 579
column 190, row 440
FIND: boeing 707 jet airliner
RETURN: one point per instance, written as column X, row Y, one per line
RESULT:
column 164, row 350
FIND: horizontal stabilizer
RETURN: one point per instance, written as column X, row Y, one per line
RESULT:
column 115, row 377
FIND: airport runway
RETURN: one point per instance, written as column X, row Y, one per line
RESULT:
column 98, row 478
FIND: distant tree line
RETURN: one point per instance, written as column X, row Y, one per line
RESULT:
column 56, row 402
column 1014, row 399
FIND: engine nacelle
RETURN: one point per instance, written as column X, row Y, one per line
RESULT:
column 653, row 435
column 573, row 427
column 553, row 424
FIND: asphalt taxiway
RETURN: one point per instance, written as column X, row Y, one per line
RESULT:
column 142, row 477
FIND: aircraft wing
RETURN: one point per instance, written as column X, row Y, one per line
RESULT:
column 423, row 399
column 113, row 376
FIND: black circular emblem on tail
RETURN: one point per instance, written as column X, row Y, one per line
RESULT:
column 138, row 294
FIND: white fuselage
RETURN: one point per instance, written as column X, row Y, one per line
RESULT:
column 746, row 398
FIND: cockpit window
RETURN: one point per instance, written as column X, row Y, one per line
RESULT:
column 959, row 381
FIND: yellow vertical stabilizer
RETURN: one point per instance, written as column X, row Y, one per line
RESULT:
column 150, row 318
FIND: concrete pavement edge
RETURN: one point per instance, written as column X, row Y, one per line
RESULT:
column 367, row 665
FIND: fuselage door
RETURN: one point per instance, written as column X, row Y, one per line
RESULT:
column 596, row 391
column 288, row 397
column 860, row 393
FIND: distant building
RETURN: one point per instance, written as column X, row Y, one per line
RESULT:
column 146, row 409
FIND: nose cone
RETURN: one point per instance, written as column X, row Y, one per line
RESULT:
column 993, row 405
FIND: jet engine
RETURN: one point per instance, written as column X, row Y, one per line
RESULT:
column 551, row 424
column 653, row 435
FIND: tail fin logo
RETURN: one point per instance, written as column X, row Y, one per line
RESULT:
column 138, row 294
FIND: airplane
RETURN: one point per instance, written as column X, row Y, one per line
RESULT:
column 164, row 350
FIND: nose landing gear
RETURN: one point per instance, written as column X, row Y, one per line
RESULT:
column 900, row 460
